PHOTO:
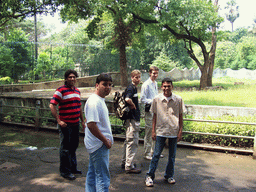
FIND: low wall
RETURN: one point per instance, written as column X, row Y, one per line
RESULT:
column 175, row 74
column 198, row 111
column 88, row 81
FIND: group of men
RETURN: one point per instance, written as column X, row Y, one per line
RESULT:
column 163, row 119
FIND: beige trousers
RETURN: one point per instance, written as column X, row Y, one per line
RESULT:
column 131, row 142
column 149, row 144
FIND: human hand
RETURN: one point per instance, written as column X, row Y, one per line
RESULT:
column 62, row 124
column 83, row 124
column 108, row 144
column 154, row 136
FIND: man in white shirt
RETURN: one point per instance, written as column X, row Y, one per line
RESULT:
column 149, row 90
column 98, row 136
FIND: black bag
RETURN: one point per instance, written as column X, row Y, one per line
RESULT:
column 147, row 107
column 120, row 106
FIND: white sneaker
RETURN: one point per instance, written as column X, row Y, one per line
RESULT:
column 171, row 180
column 149, row 181
column 148, row 157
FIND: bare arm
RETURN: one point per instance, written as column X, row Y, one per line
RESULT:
column 55, row 114
column 154, row 127
column 82, row 118
column 131, row 104
column 96, row 132
column 180, row 127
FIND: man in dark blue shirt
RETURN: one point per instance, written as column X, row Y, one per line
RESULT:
column 132, row 124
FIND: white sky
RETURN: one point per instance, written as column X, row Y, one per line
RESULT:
column 246, row 10
column 246, row 14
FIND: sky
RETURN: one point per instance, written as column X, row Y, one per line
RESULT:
column 246, row 14
column 246, row 10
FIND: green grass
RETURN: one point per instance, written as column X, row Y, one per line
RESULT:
column 230, row 95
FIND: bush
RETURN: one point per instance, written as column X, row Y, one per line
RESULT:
column 5, row 80
column 221, row 128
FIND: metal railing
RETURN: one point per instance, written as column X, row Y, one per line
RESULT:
column 8, row 113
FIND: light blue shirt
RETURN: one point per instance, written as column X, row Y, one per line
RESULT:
column 149, row 90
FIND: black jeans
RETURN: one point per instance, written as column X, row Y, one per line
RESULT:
column 69, row 140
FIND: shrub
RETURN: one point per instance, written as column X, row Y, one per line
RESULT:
column 221, row 128
column 5, row 80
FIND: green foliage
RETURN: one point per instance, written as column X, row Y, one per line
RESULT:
column 221, row 128
column 164, row 63
column 6, row 61
column 225, row 54
column 246, row 54
column 5, row 80
column 20, row 9
column 233, row 12
column 18, row 43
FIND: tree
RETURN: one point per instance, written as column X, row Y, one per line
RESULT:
column 17, row 41
column 245, row 54
column 43, row 63
column 125, row 26
column 27, row 26
column 189, row 21
column 6, row 61
column 233, row 12
column 20, row 9
column 163, row 62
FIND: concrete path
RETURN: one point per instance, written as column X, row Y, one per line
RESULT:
column 23, row 170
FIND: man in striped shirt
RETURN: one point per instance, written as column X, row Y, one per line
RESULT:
column 68, row 99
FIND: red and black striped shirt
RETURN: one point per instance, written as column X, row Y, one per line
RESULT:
column 69, row 103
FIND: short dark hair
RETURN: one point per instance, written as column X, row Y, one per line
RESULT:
column 167, row 79
column 68, row 72
column 104, row 77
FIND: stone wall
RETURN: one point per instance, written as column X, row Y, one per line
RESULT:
column 175, row 74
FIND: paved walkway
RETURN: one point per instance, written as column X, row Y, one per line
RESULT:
column 196, row 170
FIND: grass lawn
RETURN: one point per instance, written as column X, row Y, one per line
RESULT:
column 231, row 95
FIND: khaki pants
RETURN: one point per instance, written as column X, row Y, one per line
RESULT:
column 149, row 144
column 131, row 142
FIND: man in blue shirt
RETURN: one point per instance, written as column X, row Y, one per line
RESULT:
column 132, row 124
column 149, row 90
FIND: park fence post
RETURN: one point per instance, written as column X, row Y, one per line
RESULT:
column 254, row 147
column 1, row 110
column 37, row 117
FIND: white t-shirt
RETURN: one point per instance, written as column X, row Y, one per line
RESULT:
column 96, row 110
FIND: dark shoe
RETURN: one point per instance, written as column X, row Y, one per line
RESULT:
column 68, row 176
column 77, row 172
column 133, row 170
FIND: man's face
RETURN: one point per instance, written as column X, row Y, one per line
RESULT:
column 167, row 89
column 103, row 88
column 136, row 79
column 71, row 80
column 153, row 75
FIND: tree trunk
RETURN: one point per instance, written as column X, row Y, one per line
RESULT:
column 212, row 53
column 123, row 65
column 212, row 57
column 204, row 75
column 204, row 70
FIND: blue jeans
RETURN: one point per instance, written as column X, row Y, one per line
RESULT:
column 69, row 140
column 98, row 177
column 160, row 142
